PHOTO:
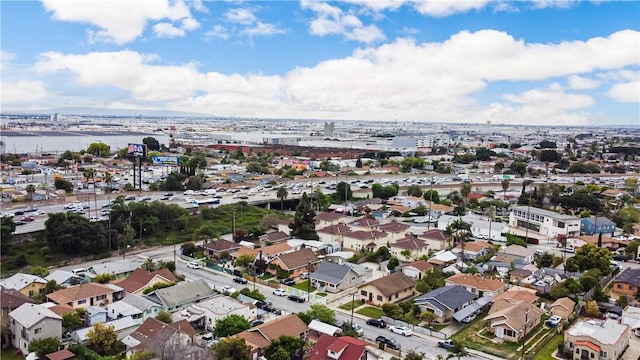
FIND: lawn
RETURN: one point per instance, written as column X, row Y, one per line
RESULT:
column 10, row 355
column 372, row 312
column 435, row 327
column 548, row 349
column 304, row 286
column 353, row 304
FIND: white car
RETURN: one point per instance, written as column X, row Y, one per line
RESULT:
column 193, row 265
column 279, row 292
column 402, row 330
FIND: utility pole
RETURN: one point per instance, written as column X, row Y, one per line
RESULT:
column 233, row 235
column 309, row 280
column 353, row 305
column 430, row 204
column 526, row 232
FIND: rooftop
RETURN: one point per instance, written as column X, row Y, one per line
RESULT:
column 604, row 331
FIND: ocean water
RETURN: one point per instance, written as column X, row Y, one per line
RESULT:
column 56, row 143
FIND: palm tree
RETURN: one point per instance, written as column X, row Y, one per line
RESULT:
column 31, row 189
column 428, row 316
column 282, row 194
column 465, row 191
column 505, row 187
column 491, row 213
column 458, row 350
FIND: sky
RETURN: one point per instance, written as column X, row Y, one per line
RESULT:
column 542, row 62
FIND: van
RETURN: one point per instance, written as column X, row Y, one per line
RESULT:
column 78, row 270
column 210, row 192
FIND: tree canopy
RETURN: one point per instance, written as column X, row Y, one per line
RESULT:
column 319, row 312
column 304, row 221
column 231, row 325
column 590, row 257
column 231, row 348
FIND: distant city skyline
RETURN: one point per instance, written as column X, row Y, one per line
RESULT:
column 537, row 62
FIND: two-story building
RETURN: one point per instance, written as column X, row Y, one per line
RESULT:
column 597, row 339
column 627, row 282
column 541, row 223
column 436, row 239
column 365, row 240
column 30, row 285
column 31, row 322
column 221, row 306
column 333, row 233
column 597, row 225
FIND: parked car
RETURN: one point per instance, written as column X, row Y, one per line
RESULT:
column 27, row 219
column 279, row 292
column 620, row 257
column 553, row 321
column 392, row 343
column 358, row 329
column 469, row 318
column 256, row 322
column 288, row 281
column 295, row 298
column 130, row 198
column 402, row 330
column 228, row 290
column 446, row 344
column 193, row 265
column 240, row 280
column 377, row 323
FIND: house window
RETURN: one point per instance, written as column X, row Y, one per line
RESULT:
column 570, row 345
column 603, row 354
column 620, row 286
column 379, row 297
column 101, row 297
column 31, row 293
column 592, row 355
column 363, row 293
column 83, row 301
column 509, row 332
column 577, row 351
column 37, row 331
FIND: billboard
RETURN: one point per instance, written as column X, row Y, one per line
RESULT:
column 165, row 160
column 137, row 150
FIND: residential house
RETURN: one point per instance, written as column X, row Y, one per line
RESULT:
column 333, row 233
column 442, row 259
column 338, row 348
column 597, row 339
column 395, row 230
column 64, row 278
column 520, row 254
column 295, row 263
column 597, row 225
column 542, row 224
column 139, row 308
column 512, row 321
column 60, row 310
column 267, row 253
column 607, row 241
column 122, row 326
column 221, row 306
column 416, row 269
column 472, row 249
column 27, row 284
column 517, row 294
column 411, row 202
column 562, row 307
column 261, row 336
column 88, row 294
column 631, row 316
column 173, row 340
column 181, row 295
column 411, row 246
column 436, row 239
column 274, row 237
column 333, row 278
column 329, row 218
column 393, row 288
column 518, row 275
column 31, row 322
column 445, row 301
column 627, row 282
column 364, row 224
column 364, row 240
column 95, row 315
column 219, row 249
column 140, row 279
column 478, row 285
column 120, row 269
column 10, row 299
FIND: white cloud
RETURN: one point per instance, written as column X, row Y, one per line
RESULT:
column 562, row 4
column 331, row 20
column 628, row 92
column 21, row 91
column 242, row 16
column 217, row 31
column 440, row 8
column 582, row 83
column 6, row 56
column 189, row 24
column 404, row 80
column 167, row 30
column 261, row 29
column 119, row 22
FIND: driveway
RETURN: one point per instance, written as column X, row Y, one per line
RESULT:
column 633, row 351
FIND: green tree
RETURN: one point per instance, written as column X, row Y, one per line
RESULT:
column 206, row 233
column 393, row 263
column 414, row 190
column 622, row 301
column 44, row 346
column 165, row 317
column 505, row 186
column 99, row 149
column 231, row 348
column 282, row 194
column 103, row 278
column 152, row 143
column 432, row 195
column 188, row 248
column 319, row 312
column 544, row 260
column 30, row 189
column 280, row 354
column 588, row 282
column 231, row 325
column 7, row 227
column 244, row 260
column 591, row 309
column 72, row 321
column 103, row 339
column 413, row 355
column 304, row 221
column 63, row 184
column 457, row 351
column 292, row 345
column 39, row 271
column 558, row 290
column 407, row 254
column 590, row 257
column 73, row 234
column 343, row 189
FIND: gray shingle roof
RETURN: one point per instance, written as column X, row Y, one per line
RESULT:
column 330, row 272
column 31, row 314
column 183, row 293
column 629, row 276
column 447, row 297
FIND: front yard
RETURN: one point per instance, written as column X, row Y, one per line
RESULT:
column 372, row 312
column 350, row 305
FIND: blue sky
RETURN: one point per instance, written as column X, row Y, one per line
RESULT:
column 544, row 62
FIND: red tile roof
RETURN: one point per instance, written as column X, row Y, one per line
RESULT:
column 12, row 298
column 335, row 229
column 476, row 281
column 364, row 222
column 436, row 234
column 588, row 344
column 421, row 265
column 60, row 355
column 410, row 243
column 140, row 279
column 329, row 216
column 394, row 226
column 79, row 292
column 365, row 235
column 352, row 349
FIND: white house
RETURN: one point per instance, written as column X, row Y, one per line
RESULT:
column 221, row 306
column 542, row 224
column 31, row 322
